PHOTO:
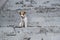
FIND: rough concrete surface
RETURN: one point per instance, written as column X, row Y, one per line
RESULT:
column 43, row 20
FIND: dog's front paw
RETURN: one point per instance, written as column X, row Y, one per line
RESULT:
column 20, row 25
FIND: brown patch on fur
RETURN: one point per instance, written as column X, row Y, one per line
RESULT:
column 22, row 12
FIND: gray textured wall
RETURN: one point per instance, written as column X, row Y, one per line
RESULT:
column 39, row 12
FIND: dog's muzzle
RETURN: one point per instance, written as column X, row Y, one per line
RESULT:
column 22, row 16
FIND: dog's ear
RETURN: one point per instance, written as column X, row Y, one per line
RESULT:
column 24, row 12
column 20, row 13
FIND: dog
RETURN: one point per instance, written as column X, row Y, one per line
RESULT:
column 23, row 22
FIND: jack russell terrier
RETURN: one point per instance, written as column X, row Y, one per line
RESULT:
column 23, row 22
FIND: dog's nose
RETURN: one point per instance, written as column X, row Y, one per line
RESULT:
column 21, row 16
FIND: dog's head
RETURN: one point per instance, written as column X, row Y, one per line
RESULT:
column 22, row 13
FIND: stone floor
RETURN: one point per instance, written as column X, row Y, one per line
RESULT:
column 30, row 33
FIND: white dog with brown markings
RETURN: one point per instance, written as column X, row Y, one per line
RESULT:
column 23, row 22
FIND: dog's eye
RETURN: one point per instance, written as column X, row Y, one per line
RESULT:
column 23, row 14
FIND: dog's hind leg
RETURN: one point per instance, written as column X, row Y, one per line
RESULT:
column 26, row 24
